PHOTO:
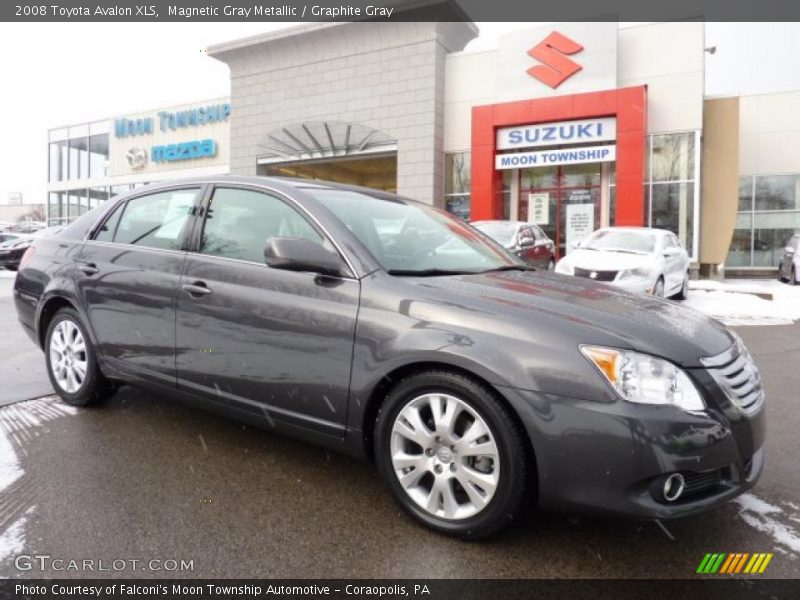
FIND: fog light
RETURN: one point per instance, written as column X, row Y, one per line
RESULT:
column 673, row 487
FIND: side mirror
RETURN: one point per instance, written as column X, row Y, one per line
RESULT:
column 789, row 250
column 295, row 254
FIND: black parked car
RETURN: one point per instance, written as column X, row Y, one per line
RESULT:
column 12, row 250
column 396, row 333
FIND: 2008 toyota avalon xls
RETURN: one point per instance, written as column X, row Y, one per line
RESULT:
column 397, row 333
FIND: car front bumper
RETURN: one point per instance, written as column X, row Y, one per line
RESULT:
column 639, row 286
column 612, row 457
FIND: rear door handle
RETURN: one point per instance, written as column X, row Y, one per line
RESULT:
column 88, row 268
column 198, row 288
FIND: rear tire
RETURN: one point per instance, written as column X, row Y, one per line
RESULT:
column 781, row 278
column 793, row 278
column 72, row 362
column 445, row 410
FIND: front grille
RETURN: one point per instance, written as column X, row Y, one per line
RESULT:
column 737, row 375
column 598, row 275
column 699, row 483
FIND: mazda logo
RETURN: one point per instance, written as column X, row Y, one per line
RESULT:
column 136, row 157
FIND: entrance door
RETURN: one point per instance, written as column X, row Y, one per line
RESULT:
column 563, row 201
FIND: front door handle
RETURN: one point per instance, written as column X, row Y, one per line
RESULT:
column 198, row 288
column 88, row 268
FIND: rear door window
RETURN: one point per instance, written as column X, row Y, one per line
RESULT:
column 157, row 220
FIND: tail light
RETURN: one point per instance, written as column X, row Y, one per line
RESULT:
column 26, row 257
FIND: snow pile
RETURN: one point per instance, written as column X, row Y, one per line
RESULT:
column 5, row 274
column 737, row 302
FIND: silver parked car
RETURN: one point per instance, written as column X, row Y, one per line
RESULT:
column 789, row 267
column 638, row 259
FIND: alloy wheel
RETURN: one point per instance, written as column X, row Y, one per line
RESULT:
column 445, row 456
column 68, row 356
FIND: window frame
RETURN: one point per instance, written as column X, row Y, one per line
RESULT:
column 195, row 237
column 122, row 204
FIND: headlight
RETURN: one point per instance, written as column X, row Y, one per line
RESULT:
column 565, row 268
column 645, row 379
column 628, row 274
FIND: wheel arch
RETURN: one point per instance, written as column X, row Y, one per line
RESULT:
column 47, row 311
column 392, row 378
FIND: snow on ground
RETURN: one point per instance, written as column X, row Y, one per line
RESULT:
column 12, row 540
column 769, row 519
column 6, row 274
column 19, row 424
column 735, row 302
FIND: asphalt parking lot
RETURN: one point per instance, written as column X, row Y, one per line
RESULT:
column 145, row 478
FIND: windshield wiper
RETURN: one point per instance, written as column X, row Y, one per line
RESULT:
column 510, row 268
column 428, row 272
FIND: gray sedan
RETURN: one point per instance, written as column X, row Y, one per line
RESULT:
column 394, row 332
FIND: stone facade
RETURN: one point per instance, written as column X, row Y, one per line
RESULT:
column 389, row 76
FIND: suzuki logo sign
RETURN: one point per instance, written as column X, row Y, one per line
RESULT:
column 552, row 52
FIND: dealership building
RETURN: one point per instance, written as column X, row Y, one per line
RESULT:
column 573, row 126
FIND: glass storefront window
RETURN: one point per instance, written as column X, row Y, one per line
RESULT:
column 672, row 208
column 746, row 193
column 739, row 254
column 766, row 220
column 78, row 158
column 116, row 190
column 777, row 192
column 98, row 155
column 671, row 187
column 580, row 176
column 55, row 209
column 672, row 157
column 457, row 169
column 77, row 203
column 98, row 196
column 542, row 177
column 58, row 160
column 771, row 233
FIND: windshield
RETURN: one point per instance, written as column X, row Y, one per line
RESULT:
column 410, row 238
column 503, row 232
column 621, row 240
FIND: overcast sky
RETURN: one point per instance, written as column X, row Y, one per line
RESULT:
column 54, row 74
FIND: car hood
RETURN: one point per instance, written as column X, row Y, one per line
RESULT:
column 602, row 260
column 574, row 310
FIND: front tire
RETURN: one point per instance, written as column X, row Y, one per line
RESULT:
column 658, row 288
column 72, row 362
column 793, row 276
column 453, row 454
column 684, row 292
